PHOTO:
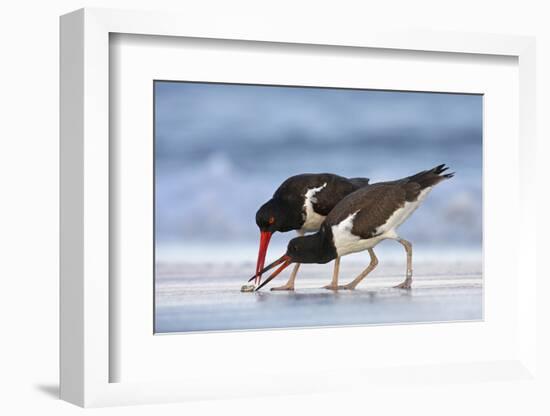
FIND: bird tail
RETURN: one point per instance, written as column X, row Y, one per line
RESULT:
column 431, row 177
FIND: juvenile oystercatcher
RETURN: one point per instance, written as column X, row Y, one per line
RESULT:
column 359, row 222
column 301, row 203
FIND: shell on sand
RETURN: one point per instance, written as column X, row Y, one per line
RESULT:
column 247, row 288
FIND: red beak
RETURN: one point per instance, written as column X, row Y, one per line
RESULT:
column 265, row 236
column 285, row 260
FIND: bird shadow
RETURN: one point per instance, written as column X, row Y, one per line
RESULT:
column 51, row 390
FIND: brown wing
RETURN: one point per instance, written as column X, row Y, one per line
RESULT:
column 337, row 189
column 374, row 206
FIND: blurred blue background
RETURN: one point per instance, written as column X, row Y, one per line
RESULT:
column 221, row 150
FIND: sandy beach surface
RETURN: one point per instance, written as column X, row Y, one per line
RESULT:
column 207, row 297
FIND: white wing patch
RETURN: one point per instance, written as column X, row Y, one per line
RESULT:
column 343, row 239
column 312, row 220
column 346, row 242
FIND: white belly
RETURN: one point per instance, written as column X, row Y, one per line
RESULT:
column 313, row 222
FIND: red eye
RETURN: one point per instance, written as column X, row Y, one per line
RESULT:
column 271, row 220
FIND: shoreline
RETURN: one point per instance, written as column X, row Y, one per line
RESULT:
column 204, row 297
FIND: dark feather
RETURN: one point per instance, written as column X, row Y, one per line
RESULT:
column 359, row 182
column 376, row 203
column 293, row 190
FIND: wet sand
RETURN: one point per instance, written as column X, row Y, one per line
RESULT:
column 207, row 297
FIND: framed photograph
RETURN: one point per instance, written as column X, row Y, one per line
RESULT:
column 240, row 210
column 228, row 176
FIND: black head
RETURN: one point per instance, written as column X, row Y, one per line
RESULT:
column 314, row 248
column 276, row 215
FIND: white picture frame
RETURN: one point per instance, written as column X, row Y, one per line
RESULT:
column 87, row 356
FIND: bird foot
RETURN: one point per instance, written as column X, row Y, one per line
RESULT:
column 405, row 285
column 284, row 287
column 331, row 287
column 347, row 287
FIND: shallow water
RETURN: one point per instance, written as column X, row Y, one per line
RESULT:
column 207, row 297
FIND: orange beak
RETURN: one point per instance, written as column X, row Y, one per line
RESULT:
column 285, row 260
column 265, row 236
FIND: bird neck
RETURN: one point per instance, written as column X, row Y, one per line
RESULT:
column 323, row 246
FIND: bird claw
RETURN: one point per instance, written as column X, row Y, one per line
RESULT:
column 405, row 285
column 346, row 287
column 284, row 287
column 331, row 287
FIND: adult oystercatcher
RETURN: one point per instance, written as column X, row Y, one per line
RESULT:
column 301, row 203
column 359, row 222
